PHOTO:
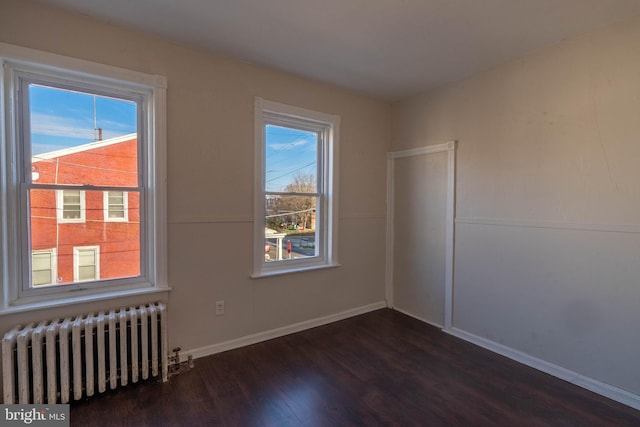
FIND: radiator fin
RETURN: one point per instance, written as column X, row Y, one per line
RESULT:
column 60, row 360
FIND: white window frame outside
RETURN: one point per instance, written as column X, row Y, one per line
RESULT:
column 76, row 262
column 328, row 125
column 125, row 202
column 54, row 263
column 60, row 207
column 18, row 63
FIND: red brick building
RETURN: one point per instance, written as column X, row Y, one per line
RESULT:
column 82, row 235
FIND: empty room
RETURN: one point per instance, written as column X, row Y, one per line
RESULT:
column 320, row 213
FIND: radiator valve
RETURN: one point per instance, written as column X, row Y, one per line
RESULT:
column 175, row 359
column 175, row 366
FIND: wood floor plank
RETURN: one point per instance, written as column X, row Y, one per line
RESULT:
column 379, row 369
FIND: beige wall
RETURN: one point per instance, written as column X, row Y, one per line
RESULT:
column 210, row 180
column 547, row 254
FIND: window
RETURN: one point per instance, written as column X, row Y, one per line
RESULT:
column 86, row 263
column 70, row 205
column 295, row 218
column 43, row 267
column 116, row 206
column 88, row 140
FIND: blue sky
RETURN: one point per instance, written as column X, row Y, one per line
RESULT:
column 62, row 118
column 288, row 152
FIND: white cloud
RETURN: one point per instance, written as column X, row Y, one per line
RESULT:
column 47, row 124
column 72, row 127
column 118, row 128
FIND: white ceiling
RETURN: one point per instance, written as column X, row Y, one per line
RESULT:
column 386, row 48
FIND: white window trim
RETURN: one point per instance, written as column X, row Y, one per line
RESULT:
column 76, row 262
column 327, row 224
column 54, row 262
column 125, row 201
column 60, row 208
column 14, row 270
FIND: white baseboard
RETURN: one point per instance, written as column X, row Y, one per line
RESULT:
column 279, row 332
column 603, row 389
column 619, row 395
column 428, row 322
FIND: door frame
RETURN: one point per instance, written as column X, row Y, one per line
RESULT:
column 450, row 148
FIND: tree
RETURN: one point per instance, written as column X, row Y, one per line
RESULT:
column 301, row 207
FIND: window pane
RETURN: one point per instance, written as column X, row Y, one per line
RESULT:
column 42, row 277
column 87, row 257
column 118, row 254
column 71, row 207
column 87, row 272
column 42, row 261
column 82, row 138
column 116, row 206
column 71, row 197
column 116, row 213
column 290, row 231
column 115, row 198
column 291, row 158
column 41, row 268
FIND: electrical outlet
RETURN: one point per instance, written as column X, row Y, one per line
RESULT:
column 219, row 308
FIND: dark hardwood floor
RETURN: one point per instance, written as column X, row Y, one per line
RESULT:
column 379, row 369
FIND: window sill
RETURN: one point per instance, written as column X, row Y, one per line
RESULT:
column 72, row 300
column 292, row 270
